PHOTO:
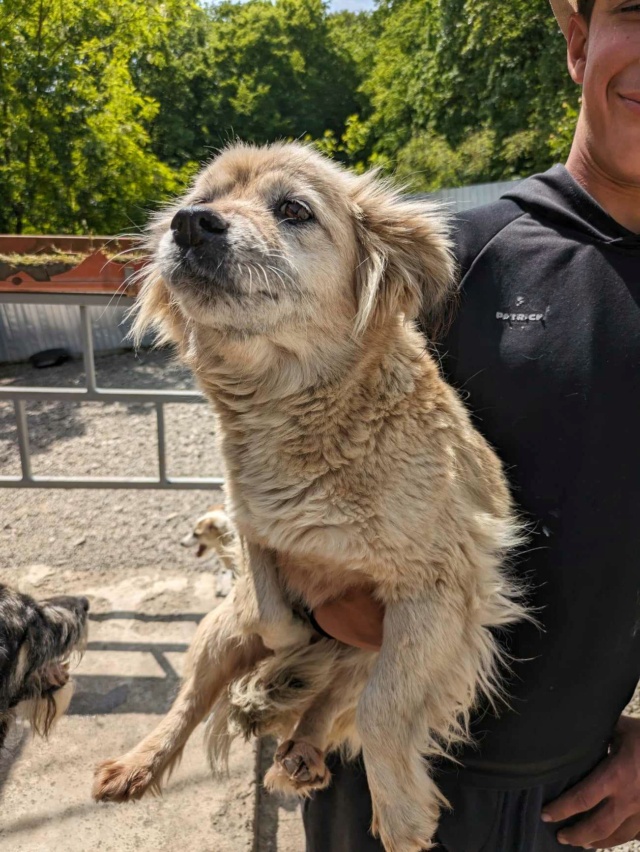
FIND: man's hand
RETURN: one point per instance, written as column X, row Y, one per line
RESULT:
column 355, row 619
column 612, row 789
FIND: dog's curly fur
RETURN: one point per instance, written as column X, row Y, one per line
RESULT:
column 349, row 462
column 37, row 639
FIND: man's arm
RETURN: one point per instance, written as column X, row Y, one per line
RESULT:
column 355, row 619
column 609, row 797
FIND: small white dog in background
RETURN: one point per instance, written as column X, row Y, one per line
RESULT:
column 213, row 531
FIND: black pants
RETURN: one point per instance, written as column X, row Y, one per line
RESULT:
column 483, row 820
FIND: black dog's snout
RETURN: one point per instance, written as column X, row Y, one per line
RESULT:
column 84, row 602
column 193, row 226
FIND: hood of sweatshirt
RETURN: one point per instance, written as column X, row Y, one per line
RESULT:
column 555, row 197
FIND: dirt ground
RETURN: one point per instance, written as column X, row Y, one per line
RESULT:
column 121, row 549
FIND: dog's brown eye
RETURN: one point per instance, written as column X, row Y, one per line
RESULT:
column 295, row 211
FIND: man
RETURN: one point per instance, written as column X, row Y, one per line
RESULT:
column 546, row 345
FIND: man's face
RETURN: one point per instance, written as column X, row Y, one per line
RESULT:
column 605, row 58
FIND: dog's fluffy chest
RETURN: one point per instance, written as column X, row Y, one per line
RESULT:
column 345, row 498
column 314, row 581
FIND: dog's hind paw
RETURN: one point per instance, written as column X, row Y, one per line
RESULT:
column 122, row 781
column 298, row 769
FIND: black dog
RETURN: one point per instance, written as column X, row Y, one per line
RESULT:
column 36, row 641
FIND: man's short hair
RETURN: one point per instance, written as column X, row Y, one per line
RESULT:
column 585, row 8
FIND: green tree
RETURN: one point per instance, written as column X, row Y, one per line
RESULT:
column 256, row 70
column 176, row 72
column 468, row 90
column 74, row 145
column 277, row 72
column 505, row 67
column 108, row 106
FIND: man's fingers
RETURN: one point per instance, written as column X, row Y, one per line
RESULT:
column 608, row 800
column 629, row 830
column 603, row 822
column 581, row 798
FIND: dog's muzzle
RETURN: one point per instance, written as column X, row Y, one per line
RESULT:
column 199, row 226
column 201, row 238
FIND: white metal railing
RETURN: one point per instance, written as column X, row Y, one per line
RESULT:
column 92, row 393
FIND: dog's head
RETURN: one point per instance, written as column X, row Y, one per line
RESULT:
column 212, row 531
column 278, row 244
column 37, row 640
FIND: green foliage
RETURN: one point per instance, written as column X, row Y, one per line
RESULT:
column 277, row 71
column 74, row 155
column 107, row 107
column 427, row 162
column 258, row 71
column 448, row 72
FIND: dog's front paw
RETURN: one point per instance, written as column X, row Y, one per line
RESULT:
column 403, row 828
column 122, row 780
column 298, row 769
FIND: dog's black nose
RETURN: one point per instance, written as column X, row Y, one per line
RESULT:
column 192, row 226
column 85, row 603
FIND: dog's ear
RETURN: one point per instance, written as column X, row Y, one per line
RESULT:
column 405, row 262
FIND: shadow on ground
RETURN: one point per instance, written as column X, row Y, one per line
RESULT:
column 106, row 694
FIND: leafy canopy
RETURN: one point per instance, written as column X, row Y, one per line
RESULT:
column 107, row 107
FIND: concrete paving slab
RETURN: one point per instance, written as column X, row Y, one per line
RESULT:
column 46, row 804
column 141, row 624
column 290, row 837
column 278, row 820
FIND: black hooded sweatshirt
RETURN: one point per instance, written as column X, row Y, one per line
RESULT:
column 545, row 349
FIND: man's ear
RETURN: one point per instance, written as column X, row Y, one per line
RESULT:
column 405, row 260
column 577, row 45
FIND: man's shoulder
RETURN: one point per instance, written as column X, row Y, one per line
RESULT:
column 473, row 232
column 476, row 229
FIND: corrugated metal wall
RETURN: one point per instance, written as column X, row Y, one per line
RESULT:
column 465, row 197
column 26, row 329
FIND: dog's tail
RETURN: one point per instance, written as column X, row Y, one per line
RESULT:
column 219, row 735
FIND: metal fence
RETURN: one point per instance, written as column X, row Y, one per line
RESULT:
column 462, row 198
column 26, row 327
column 20, row 396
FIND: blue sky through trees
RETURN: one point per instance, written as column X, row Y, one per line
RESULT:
column 351, row 5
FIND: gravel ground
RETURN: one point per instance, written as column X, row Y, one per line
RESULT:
column 78, row 539
column 109, row 440
column 102, row 532
column 122, row 549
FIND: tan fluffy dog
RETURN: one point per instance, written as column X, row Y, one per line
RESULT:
column 288, row 285
column 212, row 531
